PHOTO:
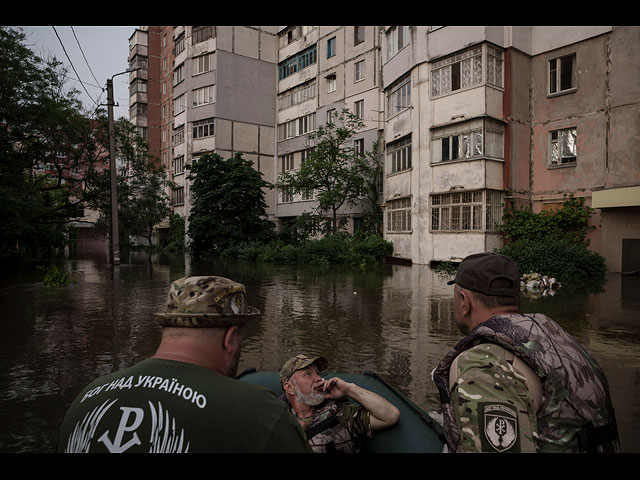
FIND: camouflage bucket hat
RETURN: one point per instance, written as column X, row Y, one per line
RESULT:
column 208, row 301
column 298, row 363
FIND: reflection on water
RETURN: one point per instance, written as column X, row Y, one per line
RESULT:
column 396, row 322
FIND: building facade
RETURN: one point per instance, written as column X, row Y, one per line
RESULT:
column 467, row 119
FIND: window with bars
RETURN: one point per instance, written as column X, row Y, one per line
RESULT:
column 399, row 215
column 465, row 70
column 399, row 155
column 479, row 210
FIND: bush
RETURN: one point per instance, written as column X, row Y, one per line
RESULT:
column 331, row 249
column 559, row 257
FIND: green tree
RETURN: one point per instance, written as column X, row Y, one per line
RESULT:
column 141, row 186
column 228, row 206
column 47, row 147
column 335, row 171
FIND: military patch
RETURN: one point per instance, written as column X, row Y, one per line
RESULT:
column 499, row 424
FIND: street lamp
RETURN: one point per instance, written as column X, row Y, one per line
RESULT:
column 115, row 241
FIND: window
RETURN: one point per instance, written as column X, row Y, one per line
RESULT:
column 291, row 34
column 202, row 128
column 306, row 123
column 358, row 108
column 178, row 196
column 399, row 155
column 399, row 97
column 286, row 194
column 563, row 147
column 460, row 71
column 331, row 115
column 178, row 165
column 202, row 96
column 359, row 71
column 358, row 147
column 494, row 66
column 202, row 63
column 331, row 83
column 138, row 85
column 178, row 74
column 178, row 135
column 297, row 95
column 399, row 215
column 178, row 47
column 562, row 74
column 358, row 35
column 179, row 104
column 397, row 38
column 331, row 47
column 297, row 62
column 200, row 34
column 287, row 162
column 479, row 210
column 473, row 139
column 287, row 130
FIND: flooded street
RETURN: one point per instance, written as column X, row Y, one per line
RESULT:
column 396, row 321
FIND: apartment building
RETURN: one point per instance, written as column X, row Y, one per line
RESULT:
column 321, row 71
column 217, row 90
column 468, row 119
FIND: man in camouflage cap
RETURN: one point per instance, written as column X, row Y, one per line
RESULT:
column 185, row 398
column 331, row 422
column 517, row 382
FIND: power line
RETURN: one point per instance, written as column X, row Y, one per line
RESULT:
column 85, row 58
column 74, row 68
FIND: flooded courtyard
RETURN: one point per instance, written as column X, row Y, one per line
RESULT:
column 395, row 321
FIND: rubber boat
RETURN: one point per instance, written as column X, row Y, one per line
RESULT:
column 415, row 432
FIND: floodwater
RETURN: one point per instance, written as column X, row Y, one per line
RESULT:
column 396, row 321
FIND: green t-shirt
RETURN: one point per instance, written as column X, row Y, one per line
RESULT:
column 167, row 406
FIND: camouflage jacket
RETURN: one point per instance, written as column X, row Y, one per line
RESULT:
column 489, row 407
column 338, row 427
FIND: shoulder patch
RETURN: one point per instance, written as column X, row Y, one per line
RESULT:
column 499, row 425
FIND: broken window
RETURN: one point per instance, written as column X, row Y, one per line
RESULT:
column 563, row 147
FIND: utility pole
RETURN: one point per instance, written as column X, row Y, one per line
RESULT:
column 115, row 242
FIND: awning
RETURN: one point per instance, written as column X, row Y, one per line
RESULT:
column 616, row 197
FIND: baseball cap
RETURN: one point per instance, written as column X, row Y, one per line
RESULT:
column 489, row 274
column 298, row 363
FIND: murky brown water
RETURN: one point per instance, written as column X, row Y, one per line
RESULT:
column 396, row 322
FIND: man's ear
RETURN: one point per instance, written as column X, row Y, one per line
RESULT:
column 287, row 387
column 467, row 302
column 231, row 339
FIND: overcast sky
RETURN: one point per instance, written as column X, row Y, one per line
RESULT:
column 96, row 54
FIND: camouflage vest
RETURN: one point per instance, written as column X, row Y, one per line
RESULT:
column 576, row 414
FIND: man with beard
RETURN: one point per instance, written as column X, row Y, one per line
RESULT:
column 185, row 398
column 331, row 422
